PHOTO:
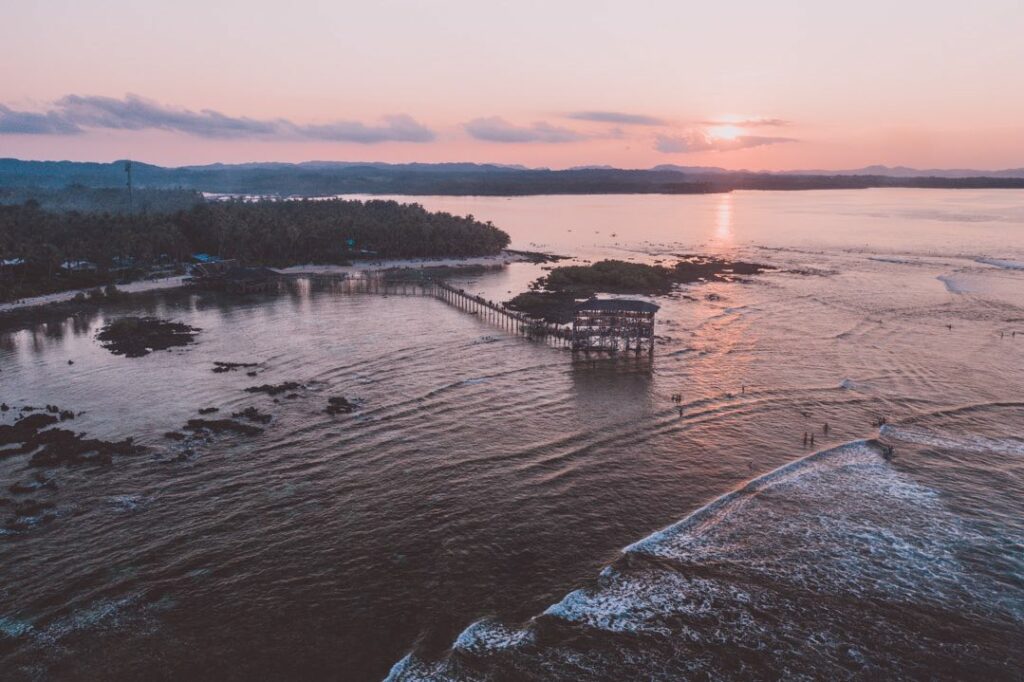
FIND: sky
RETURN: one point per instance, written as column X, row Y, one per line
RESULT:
column 776, row 85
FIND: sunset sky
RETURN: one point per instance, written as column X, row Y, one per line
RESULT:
column 780, row 85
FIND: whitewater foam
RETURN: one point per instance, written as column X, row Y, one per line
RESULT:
column 490, row 636
column 127, row 503
column 13, row 628
column 811, row 568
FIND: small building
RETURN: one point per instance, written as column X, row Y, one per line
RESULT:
column 614, row 325
column 122, row 263
column 78, row 266
column 213, row 268
column 10, row 268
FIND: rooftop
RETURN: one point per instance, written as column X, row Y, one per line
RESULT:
column 618, row 304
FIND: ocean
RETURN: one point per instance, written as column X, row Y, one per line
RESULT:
column 496, row 509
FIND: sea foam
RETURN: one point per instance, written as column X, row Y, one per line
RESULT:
column 814, row 568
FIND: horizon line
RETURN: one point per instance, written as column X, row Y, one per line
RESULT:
column 516, row 166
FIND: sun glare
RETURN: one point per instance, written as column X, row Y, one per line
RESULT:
column 725, row 132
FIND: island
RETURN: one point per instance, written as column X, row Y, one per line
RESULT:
column 43, row 251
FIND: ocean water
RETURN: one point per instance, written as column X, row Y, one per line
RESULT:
column 496, row 509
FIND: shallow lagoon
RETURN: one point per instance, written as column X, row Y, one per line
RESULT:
column 487, row 477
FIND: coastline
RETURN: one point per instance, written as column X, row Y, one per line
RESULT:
column 506, row 257
column 138, row 287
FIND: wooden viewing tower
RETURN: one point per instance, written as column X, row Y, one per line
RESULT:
column 614, row 325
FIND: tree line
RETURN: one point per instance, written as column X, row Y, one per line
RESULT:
column 47, row 251
column 78, row 197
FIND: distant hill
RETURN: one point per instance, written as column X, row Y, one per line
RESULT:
column 905, row 172
column 102, row 199
column 695, row 170
column 877, row 171
column 326, row 178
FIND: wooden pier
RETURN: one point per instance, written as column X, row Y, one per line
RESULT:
column 614, row 326
column 600, row 326
column 509, row 320
column 494, row 313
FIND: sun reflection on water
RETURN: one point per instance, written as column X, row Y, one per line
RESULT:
column 723, row 220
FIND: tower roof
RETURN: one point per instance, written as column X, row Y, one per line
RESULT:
column 630, row 305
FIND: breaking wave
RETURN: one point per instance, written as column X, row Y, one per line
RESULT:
column 837, row 564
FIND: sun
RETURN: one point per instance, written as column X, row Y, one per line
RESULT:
column 725, row 132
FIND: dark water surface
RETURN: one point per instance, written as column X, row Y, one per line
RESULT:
column 469, row 520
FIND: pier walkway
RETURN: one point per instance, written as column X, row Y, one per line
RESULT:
column 494, row 313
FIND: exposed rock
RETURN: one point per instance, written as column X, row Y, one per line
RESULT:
column 60, row 447
column 274, row 389
column 693, row 268
column 340, row 405
column 221, row 367
column 208, row 410
column 24, row 429
column 134, row 337
column 253, row 415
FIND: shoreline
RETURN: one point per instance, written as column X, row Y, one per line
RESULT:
column 138, row 287
column 506, row 257
column 45, row 301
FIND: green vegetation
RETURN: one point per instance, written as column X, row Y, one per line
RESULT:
column 610, row 276
column 46, row 251
column 553, row 298
column 550, row 306
column 620, row 277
